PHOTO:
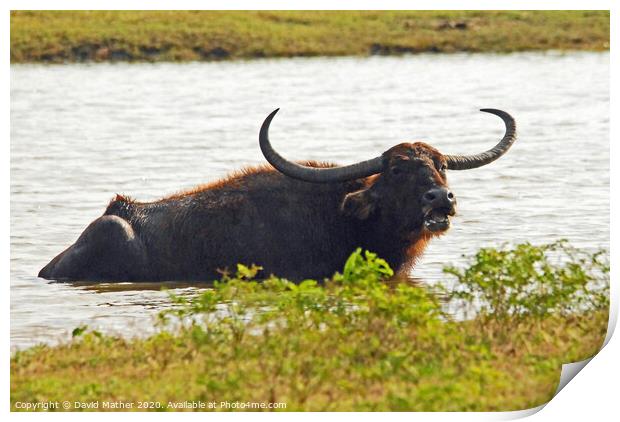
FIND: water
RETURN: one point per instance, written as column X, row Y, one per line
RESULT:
column 81, row 133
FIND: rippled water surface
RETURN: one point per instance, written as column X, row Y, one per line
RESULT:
column 81, row 133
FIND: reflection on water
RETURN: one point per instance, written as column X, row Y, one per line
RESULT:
column 81, row 133
column 137, row 287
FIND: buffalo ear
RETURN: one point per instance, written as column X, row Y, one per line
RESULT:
column 359, row 204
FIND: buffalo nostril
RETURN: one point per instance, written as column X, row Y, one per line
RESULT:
column 439, row 197
column 429, row 197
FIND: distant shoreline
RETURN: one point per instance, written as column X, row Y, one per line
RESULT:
column 180, row 36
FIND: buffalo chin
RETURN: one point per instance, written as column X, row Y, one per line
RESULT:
column 437, row 220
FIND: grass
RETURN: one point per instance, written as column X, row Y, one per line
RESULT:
column 70, row 36
column 360, row 341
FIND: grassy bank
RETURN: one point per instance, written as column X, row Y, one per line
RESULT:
column 352, row 343
column 61, row 36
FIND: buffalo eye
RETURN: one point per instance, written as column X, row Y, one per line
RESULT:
column 396, row 171
column 442, row 167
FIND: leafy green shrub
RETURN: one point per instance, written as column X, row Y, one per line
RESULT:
column 349, row 301
column 528, row 280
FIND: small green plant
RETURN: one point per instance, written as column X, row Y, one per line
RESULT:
column 79, row 330
column 349, row 301
column 532, row 281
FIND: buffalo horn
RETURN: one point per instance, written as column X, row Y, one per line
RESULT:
column 313, row 174
column 466, row 162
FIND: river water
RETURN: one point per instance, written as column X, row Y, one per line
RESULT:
column 81, row 133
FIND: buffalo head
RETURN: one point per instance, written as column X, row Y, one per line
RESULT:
column 405, row 188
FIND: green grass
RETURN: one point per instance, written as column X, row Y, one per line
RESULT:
column 61, row 36
column 360, row 341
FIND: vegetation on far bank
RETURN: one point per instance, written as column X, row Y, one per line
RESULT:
column 69, row 36
column 360, row 341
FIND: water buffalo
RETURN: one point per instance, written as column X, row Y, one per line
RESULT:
column 296, row 220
